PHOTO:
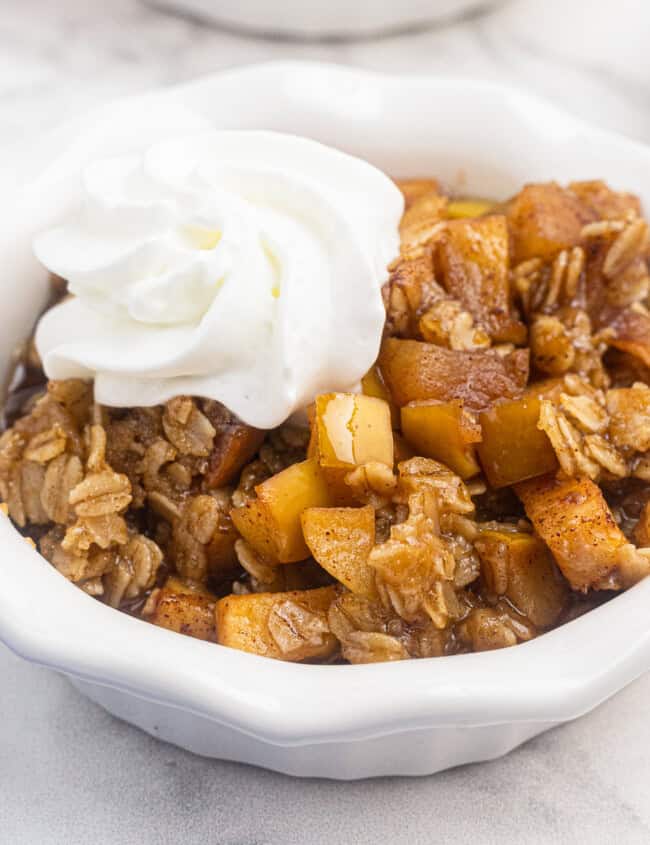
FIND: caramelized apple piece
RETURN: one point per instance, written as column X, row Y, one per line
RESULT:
column 413, row 189
column 459, row 209
column 235, row 444
column 353, row 430
column 629, row 417
column 472, row 258
column 341, row 539
column 421, row 220
column 443, row 431
column 271, row 522
column 350, row 430
column 544, row 219
column 512, row 447
column 220, row 551
column 334, row 476
column 372, row 384
column 520, row 567
column 416, row 371
column 604, row 202
column 572, row 517
column 184, row 607
column 287, row 626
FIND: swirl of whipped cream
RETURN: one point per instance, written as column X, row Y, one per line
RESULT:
column 240, row 266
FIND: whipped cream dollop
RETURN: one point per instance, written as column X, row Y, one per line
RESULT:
column 240, row 266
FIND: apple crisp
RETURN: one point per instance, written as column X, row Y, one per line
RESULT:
column 489, row 481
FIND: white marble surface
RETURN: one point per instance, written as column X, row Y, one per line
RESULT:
column 69, row 773
column 59, row 57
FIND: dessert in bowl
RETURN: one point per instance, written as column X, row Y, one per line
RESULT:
column 297, row 410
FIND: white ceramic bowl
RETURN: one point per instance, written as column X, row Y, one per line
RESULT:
column 414, row 717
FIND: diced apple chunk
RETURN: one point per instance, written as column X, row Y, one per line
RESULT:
column 520, row 566
column 574, row 520
column 603, row 201
column 334, row 476
column 413, row 189
column 271, row 522
column 629, row 413
column 443, row 431
column 372, row 384
column 286, row 626
column 512, row 448
column 235, row 444
column 419, row 223
column 544, row 219
column 353, row 430
column 232, row 450
column 341, row 539
column 472, row 257
column 416, row 371
column 185, row 608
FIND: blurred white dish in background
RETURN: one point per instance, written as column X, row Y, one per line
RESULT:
column 411, row 717
column 323, row 18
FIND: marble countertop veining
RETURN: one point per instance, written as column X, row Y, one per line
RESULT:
column 69, row 773
column 57, row 58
